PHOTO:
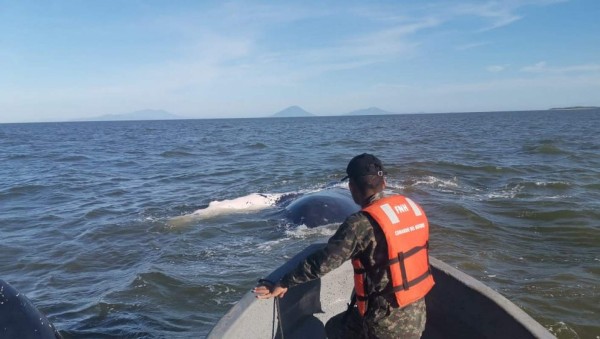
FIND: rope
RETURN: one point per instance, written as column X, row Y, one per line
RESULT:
column 277, row 313
column 276, row 309
column 273, row 321
column 279, row 318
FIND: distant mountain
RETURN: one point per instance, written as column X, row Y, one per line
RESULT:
column 369, row 111
column 146, row 114
column 293, row 111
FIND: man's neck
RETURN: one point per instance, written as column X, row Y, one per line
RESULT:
column 370, row 197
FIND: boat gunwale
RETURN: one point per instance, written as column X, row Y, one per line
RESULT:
column 227, row 322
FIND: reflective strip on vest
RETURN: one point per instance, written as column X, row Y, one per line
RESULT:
column 387, row 209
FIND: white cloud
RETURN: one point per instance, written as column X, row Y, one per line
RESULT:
column 470, row 46
column 542, row 67
column 496, row 13
column 535, row 68
column 496, row 68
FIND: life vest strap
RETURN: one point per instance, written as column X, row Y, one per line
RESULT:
column 412, row 282
column 360, row 271
column 409, row 253
column 400, row 288
column 361, row 297
column 403, row 270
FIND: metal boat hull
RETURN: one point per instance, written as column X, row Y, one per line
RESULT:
column 459, row 306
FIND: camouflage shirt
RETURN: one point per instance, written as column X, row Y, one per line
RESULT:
column 360, row 237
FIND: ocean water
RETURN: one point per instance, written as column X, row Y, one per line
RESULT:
column 90, row 230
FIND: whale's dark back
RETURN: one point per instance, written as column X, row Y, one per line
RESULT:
column 321, row 208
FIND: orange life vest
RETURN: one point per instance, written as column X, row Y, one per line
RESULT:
column 406, row 232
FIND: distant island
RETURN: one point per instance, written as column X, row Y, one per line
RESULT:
column 293, row 111
column 146, row 114
column 573, row 108
column 369, row 111
column 297, row 111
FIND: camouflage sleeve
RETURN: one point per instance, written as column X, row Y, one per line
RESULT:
column 342, row 246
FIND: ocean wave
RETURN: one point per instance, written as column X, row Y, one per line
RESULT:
column 592, row 186
column 295, row 233
column 112, row 318
column 73, row 158
column 169, row 289
column 562, row 330
column 560, row 214
column 418, row 168
column 303, row 232
column 101, row 212
column 553, row 184
column 446, row 185
column 545, row 148
column 126, row 163
column 24, row 189
column 472, row 219
column 538, row 184
column 19, row 156
column 156, row 279
column 258, row 145
column 176, row 154
column 116, row 192
column 268, row 246
column 537, row 190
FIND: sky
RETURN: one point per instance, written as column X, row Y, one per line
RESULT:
column 68, row 60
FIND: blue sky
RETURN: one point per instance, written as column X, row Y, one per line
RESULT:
column 64, row 60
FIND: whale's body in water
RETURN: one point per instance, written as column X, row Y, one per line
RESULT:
column 19, row 318
column 314, row 209
column 321, row 208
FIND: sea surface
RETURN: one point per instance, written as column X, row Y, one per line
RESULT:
column 87, row 210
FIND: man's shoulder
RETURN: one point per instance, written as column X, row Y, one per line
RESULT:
column 358, row 219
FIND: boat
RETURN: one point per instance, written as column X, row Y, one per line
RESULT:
column 458, row 306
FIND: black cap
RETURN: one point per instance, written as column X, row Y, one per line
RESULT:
column 364, row 164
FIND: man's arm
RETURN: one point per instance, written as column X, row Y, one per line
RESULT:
column 342, row 246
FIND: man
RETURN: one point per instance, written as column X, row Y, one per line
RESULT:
column 387, row 242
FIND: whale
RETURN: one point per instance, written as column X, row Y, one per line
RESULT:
column 19, row 318
column 326, row 206
column 321, row 208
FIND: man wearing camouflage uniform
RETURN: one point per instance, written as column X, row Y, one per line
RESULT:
column 360, row 237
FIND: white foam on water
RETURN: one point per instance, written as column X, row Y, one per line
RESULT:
column 510, row 193
column 552, row 183
column 319, row 188
column 556, row 197
column 302, row 231
column 393, row 185
column 437, row 182
column 561, row 329
column 267, row 247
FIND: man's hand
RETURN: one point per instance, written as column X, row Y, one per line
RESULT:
column 263, row 292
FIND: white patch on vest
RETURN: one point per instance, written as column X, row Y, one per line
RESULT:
column 401, row 208
column 402, row 231
column 387, row 209
column 409, row 229
column 414, row 207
